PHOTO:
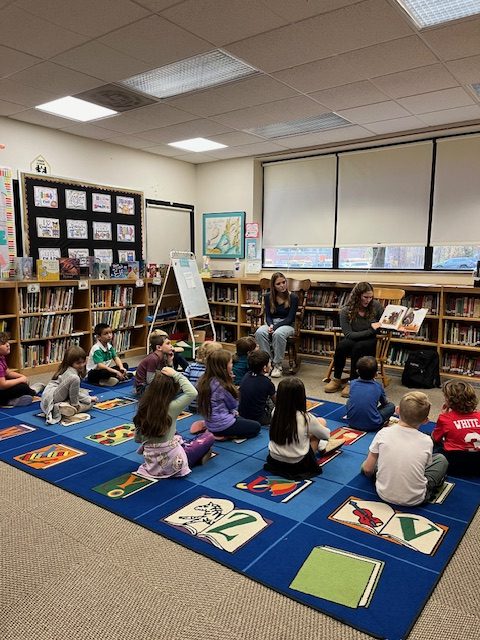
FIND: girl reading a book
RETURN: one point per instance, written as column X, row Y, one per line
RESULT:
column 165, row 453
column 359, row 321
column 295, row 435
column 63, row 397
column 218, row 400
column 457, row 432
column 280, row 309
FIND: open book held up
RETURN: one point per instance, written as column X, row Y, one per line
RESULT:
column 400, row 318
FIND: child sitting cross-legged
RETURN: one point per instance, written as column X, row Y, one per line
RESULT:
column 295, row 435
column 401, row 456
column 166, row 454
column 244, row 346
column 161, row 355
column 196, row 369
column 257, row 391
column 367, row 407
column 15, row 391
column 104, row 367
column 457, row 432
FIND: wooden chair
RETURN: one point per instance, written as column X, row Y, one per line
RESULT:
column 257, row 315
column 385, row 295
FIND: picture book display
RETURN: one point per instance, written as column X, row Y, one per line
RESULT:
column 115, row 435
column 377, row 518
column 48, row 270
column 212, row 518
column 69, row 268
column 400, row 318
column 339, row 576
column 124, row 486
column 23, row 268
column 114, row 403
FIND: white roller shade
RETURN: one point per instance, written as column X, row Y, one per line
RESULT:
column 167, row 228
column 299, row 202
column 383, row 196
column 456, row 203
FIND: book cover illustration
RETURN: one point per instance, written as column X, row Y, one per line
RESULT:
column 346, row 434
column 24, row 268
column 69, row 268
column 114, row 403
column 339, row 576
column 15, row 430
column 119, row 270
column 273, row 488
column 184, row 414
column 48, row 456
column 442, row 493
column 313, row 404
column 400, row 318
column 217, row 521
column 101, row 270
column 47, row 270
column 124, row 486
column 116, row 435
column 327, row 457
column 378, row 518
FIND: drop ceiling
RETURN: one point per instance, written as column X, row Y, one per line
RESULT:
column 364, row 60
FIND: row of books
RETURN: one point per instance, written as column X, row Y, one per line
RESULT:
column 397, row 355
column 253, row 296
column 461, row 363
column 327, row 298
column 320, row 322
column 3, row 325
column 463, row 334
column 225, row 334
column 47, row 299
column 46, row 326
column 33, row 355
column 117, row 296
column 122, row 340
column 118, row 318
column 78, row 268
column 464, row 306
column 316, row 346
column 422, row 301
column 221, row 292
column 224, row 313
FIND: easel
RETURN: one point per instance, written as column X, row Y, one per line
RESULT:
column 183, row 267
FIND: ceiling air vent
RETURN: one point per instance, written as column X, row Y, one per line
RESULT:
column 116, row 98
column 312, row 124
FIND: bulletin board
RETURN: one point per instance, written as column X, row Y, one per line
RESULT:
column 68, row 218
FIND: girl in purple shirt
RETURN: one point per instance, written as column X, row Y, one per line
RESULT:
column 218, row 400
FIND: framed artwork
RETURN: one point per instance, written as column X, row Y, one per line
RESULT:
column 102, row 230
column 125, row 205
column 103, row 255
column 126, row 233
column 126, row 255
column 101, row 202
column 78, row 253
column 45, row 253
column 48, row 227
column 46, row 197
column 223, row 234
column 77, row 230
column 75, row 199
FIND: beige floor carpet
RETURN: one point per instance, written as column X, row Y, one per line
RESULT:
column 70, row 570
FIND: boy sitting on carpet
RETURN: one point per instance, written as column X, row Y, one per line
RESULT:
column 104, row 367
column 401, row 456
column 367, row 407
column 161, row 355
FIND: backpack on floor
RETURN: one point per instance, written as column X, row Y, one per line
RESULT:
column 422, row 370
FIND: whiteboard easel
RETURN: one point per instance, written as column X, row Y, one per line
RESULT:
column 183, row 266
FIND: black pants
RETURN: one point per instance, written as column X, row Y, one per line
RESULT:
column 355, row 349
column 21, row 389
column 95, row 375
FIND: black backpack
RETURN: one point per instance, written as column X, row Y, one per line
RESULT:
column 422, row 370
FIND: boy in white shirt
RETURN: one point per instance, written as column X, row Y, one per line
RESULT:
column 401, row 456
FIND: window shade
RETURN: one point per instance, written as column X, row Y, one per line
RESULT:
column 383, row 196
column 299, row 202
column 456, row 203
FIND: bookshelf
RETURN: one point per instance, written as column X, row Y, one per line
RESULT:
column 9, row 319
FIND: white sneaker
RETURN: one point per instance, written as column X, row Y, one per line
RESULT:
column 38, row 387
column 66, row 409
column 276, row 372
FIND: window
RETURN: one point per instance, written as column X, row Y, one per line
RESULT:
column 298, row 258
column 381, row 258
column 456, row 258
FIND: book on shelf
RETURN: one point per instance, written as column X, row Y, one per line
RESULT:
column 400, row 318
column 69, row 268
column 48, row 269
column 119, row 270
column 152, row 270
column 86, row 264
column 23, row 268
column 101, row 270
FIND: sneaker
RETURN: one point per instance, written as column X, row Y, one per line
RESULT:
column 66, row 409
column 21, row 401
column 276, row 372
column 333, row 386
column 38, row 387
column 109, row 382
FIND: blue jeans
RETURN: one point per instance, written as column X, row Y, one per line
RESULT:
column 241, row 428
column 386, row 411
column 274, row 343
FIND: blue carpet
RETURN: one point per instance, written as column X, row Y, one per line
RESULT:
column 329, row 543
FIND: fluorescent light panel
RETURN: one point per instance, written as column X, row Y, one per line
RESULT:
column 312, row 124
column 75, row 109
column 426, row 13
column 199, row 72
column 197, row 145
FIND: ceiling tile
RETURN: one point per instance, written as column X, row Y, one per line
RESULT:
column 61, row 81
column 33, row 116
column 146, row 118
column 326, row 137
column 21, row 94
column 437, row 100
column 466, row 69
column 372, row 113
column 162, row 150
column 273, row 112
column 103, row 62
column 88, row 131
column 235, row 95
column 301, row 9
column 320, row 74
column 455, row 40
column 185, row 131
column 396, row 124
column 12, row 61
column 223, row 21
column 340, row 31
column 355, row 94
column 88, row 17
column 195, row 158
column 414, row 81
column 451, row 116
column 35, row 36
column 133, row 142
column 257, row 149
column 236, row 138
column 9, row 108
column 156, row 40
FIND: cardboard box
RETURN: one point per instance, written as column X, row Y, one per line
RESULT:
column 199, row 336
